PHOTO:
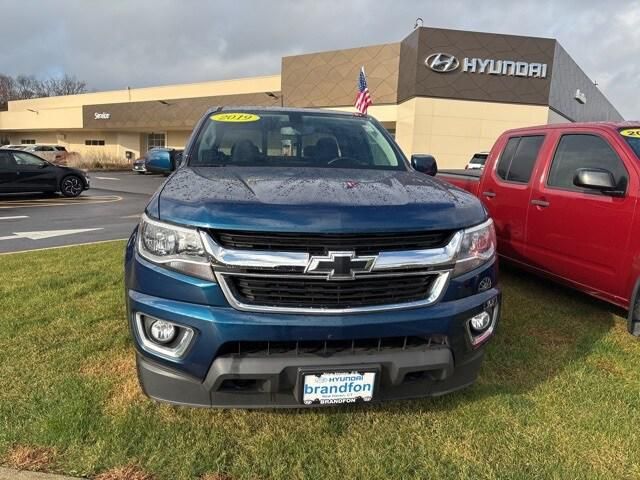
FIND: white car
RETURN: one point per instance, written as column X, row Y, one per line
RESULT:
column 477, row 161
column 56, row 154
column 14, row 147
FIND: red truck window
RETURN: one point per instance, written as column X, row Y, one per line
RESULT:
column 576, row 151
column 519, row 157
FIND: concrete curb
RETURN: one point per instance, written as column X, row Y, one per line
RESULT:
column 10, row 474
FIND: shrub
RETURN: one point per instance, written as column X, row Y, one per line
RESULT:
column 97, row 161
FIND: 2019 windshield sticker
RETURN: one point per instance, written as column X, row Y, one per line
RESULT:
column 630, row 132
column 235, row 117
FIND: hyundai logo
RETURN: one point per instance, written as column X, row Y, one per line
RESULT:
column 442, row 62
column 340, row 265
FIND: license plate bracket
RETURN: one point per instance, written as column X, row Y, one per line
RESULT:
column 335, row 386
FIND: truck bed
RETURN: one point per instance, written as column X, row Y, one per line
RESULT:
column 466, row 179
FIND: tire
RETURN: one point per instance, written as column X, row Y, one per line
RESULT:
column 71, row 186
column 633, row 319
column 140, row 173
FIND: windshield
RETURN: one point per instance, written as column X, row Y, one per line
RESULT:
column 632, row 137
column 293, row 139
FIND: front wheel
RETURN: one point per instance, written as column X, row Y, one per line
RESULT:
column 71, row 186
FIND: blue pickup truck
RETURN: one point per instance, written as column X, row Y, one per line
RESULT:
column 296, row 258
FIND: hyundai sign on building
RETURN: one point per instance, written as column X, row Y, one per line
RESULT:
column 445, row 92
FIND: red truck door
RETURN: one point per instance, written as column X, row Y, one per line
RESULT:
column 505, row 190
column 578, row 234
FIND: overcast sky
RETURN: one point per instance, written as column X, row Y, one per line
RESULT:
column 119, row 43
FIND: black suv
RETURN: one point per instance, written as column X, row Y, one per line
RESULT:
column 24, row 172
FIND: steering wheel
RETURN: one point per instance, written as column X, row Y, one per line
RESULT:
column 348, row 161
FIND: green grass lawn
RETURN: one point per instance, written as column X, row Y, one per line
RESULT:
column 558, row 396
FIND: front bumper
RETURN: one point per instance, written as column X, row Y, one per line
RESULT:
column 275, row 381
column 212, row 373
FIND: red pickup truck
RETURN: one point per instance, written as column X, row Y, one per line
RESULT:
column 563, row 199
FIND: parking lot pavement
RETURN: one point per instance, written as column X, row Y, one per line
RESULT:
column 130, row 182
column 108, row 211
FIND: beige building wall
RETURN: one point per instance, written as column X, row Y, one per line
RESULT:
column 453, row 130
column 177, row 139
column 41, row 119
column 115, row 143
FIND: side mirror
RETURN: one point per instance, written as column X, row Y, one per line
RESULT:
column 425, row 164
column 177, row 160
column 158, row 162
column 596, row 179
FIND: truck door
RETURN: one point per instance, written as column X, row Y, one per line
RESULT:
column 505, row 191
column 580, row 234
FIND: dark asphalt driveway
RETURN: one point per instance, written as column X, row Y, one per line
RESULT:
column 107, row 211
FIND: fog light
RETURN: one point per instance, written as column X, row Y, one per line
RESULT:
column 480, row 322
column 162, row 332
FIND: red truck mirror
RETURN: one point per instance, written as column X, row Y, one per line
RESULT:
column 424, row 163
column 596, row 179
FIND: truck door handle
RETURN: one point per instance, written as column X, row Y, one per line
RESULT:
column 489, row 194
column 540, row 203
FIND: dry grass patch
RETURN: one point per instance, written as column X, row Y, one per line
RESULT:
column 128, row 472
column 119, row 369
column 27, row 457
column 97, row 161
column 215, row 476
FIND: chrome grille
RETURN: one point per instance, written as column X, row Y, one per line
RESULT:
column 338, row 281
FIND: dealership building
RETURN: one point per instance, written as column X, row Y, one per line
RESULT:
column 445, row 92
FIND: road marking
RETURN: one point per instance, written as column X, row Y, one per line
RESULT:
column 132, row 216
column 62, row 246
column 47, row 234
column 15, row 217
column 106, row 178
column 64, row 202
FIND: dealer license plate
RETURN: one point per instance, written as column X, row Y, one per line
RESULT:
column 338, row 387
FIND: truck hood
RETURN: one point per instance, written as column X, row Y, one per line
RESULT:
column 314, row 200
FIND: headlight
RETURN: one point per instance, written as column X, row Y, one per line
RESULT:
column 174, row 247
column 478, row 246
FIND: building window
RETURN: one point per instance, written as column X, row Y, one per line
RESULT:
column 94, row 142
column 155, row 140
column 28, row 141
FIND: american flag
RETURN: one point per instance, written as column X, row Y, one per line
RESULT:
column 363, row 100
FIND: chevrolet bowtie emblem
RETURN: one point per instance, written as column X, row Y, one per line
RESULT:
column 340, row 265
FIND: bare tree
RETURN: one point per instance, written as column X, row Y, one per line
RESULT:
column 67, row 85
column 28, row 86
column 7, row 90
